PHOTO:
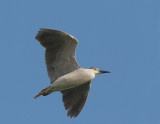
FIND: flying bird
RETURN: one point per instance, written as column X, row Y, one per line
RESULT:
column 64, row 72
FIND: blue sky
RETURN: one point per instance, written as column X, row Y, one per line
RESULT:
column 122, row 36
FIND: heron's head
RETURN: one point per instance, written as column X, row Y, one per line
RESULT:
column 97, row 71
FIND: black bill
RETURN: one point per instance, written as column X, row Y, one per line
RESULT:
column 104, row 71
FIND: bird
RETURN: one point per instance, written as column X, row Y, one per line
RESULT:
column 64, row 71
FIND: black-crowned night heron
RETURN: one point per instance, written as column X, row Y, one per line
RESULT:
column 64, row 72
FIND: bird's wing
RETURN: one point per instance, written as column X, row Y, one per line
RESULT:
column 60, row 52
column 75, row 98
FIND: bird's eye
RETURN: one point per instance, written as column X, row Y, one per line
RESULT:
column 95, row 69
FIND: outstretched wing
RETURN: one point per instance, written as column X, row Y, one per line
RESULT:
column 60, row 52
column 75, row 98
column 60, row 60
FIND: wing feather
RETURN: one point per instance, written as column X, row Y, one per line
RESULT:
column 75, row 98
column 60, row 52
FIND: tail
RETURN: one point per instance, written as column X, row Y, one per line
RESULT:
column 44, row 92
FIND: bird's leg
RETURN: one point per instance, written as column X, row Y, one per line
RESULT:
column 45, row 92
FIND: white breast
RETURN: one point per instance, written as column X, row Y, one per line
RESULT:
column 73, row 79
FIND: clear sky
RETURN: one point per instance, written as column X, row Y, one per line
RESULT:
column 121, row 36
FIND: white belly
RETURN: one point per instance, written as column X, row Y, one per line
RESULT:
column 72, row 79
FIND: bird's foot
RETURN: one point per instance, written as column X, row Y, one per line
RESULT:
column 44, row 92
